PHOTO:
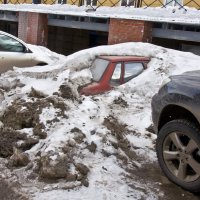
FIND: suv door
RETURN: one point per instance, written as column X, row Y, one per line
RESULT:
column 13, row 53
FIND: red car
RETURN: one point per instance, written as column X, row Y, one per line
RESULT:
column 110, row 71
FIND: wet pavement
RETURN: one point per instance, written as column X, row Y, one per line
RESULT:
column 166, row 190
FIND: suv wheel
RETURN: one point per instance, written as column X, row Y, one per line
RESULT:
column 178, row 151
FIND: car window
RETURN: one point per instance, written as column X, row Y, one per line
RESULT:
column 98, row 67
column 9, row 44
column 116, row 77
column 132, row 70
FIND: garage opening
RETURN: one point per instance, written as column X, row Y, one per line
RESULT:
column 9, row 27
column 187, row 46
column 181, row 37
column 67, row 40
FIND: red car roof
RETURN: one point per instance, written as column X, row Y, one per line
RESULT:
column 124, row 58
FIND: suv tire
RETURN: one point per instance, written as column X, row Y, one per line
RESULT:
column 178, row 152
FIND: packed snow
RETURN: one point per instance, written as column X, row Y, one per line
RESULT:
column 86, row 147
column 171, row 14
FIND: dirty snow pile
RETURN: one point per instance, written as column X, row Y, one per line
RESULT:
column 60, row 145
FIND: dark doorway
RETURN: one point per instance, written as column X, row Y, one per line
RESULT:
column 67, row 40
column 181, row 45
column 9, row 27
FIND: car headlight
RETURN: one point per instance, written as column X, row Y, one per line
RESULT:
column 165, row 81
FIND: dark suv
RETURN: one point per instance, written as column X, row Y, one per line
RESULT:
column 176, row 118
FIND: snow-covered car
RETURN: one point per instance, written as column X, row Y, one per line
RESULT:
column 15, row 52
column 110, row 71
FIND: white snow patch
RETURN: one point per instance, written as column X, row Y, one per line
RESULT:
column 169, row 14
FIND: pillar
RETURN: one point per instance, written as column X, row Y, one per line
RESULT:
column 128, row 30
column 33, row 28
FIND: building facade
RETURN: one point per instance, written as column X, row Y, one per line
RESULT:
column 112, row 3
column 67, row 33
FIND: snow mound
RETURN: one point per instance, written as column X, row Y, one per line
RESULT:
column 96, row 147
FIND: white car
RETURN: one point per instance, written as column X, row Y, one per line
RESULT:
column 15, row 52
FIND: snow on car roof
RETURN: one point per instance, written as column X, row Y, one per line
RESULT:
column 125, row 58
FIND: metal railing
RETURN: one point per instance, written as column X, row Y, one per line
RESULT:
column 95, row 4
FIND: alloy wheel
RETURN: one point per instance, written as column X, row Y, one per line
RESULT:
column 182, row 156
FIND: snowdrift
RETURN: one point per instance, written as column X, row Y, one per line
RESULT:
column 61, row 145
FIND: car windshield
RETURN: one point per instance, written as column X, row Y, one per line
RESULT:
column 9, row 44
column 98, row 68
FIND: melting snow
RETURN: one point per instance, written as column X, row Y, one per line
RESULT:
column 108, row 177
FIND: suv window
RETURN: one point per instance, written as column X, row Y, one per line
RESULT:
column 9, row 44
column 116, row 77
column 132, row 70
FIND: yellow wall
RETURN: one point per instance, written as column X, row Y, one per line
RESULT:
column 118, row 3
column 153, row 3
column 47, row 1
column 19, row 1
column 158, row 4
column 73, row 2
column 105, row 2
column 192, row 4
